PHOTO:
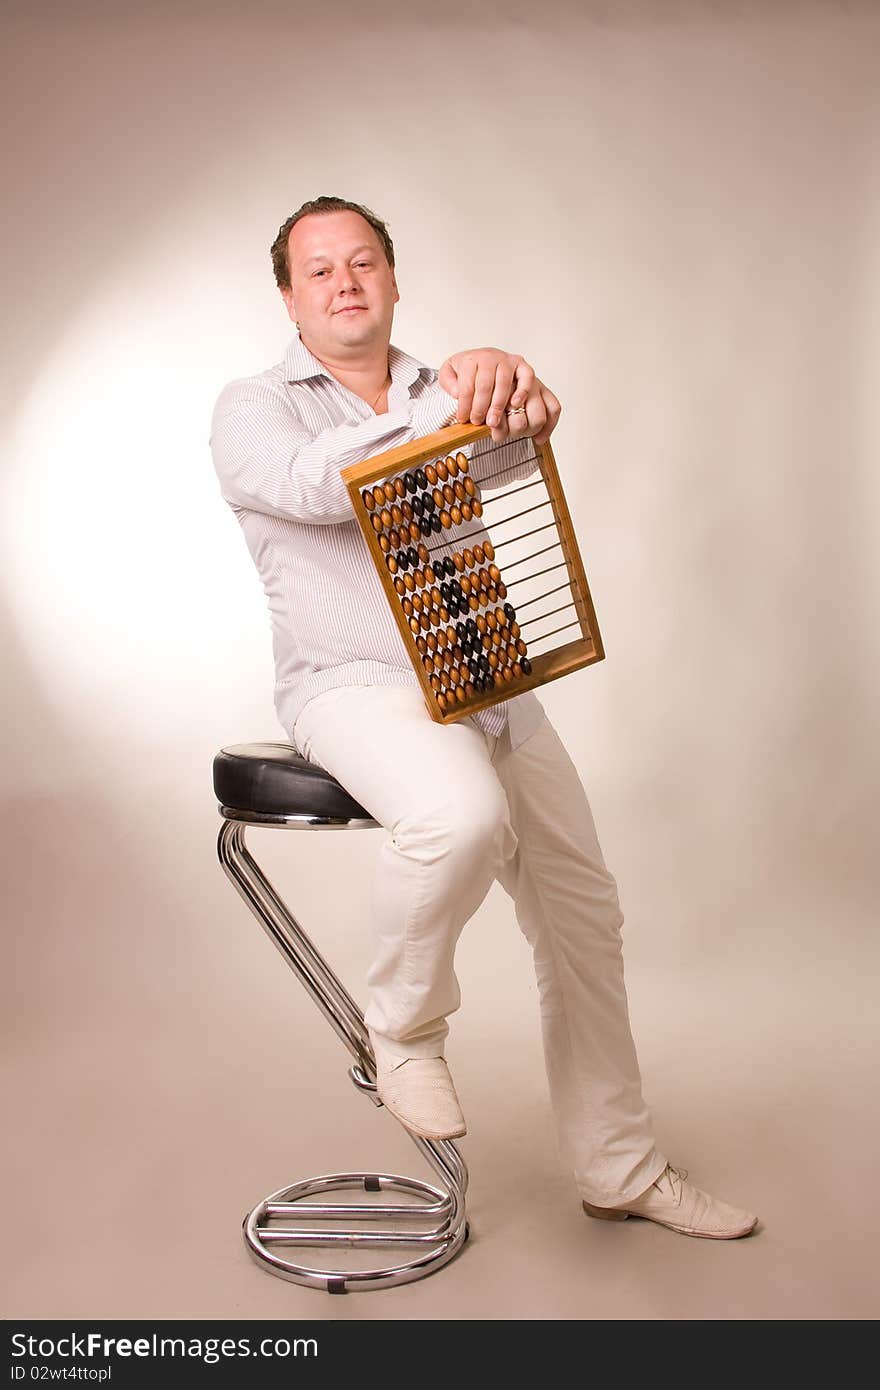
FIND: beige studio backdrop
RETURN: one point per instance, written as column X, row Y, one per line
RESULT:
column 671, row 210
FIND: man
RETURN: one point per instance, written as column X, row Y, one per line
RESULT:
column 491, row 796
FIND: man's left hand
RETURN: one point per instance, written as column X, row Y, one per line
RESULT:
column 489, row 384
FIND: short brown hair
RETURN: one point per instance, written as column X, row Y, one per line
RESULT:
column 280, row 263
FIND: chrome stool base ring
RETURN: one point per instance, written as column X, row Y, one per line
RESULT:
column 435, row 1245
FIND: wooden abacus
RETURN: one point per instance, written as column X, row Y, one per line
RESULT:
column 436, row 540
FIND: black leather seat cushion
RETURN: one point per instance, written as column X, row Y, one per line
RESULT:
column 272, row 779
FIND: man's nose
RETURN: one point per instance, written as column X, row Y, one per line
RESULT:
column 347, row 281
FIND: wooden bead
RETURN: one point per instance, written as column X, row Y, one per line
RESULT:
column 488, row 550
column 431, row 473
column 368, row 500
column 399, row 487
column 442, row 472
column 462, row 461
column 378, row 495
column 456, row 514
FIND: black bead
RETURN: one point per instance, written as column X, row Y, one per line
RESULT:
column 510, row 611
column 418, row 506
column 449, row 566
column 421, row 480
column 428, row 503
column 402, row 560
column 526, row 665
column 409, row 482
column 413, row 556
column 425, row 526
column 435, row 524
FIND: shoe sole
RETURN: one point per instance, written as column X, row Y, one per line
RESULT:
column 423, row 1133
column 613, row 1214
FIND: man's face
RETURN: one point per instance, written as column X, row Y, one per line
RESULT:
column 343, row 290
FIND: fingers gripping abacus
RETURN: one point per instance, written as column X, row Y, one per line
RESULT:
column 478, row 599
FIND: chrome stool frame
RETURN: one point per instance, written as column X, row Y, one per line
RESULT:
column 274, row 1223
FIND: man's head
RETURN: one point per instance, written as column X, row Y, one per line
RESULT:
column 334, row 265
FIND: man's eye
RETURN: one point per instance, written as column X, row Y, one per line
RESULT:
column 319, row 272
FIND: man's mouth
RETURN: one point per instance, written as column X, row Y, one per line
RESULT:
column 352, row 309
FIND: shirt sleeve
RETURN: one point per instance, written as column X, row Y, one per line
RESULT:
column 267, row 461
column 496, row 465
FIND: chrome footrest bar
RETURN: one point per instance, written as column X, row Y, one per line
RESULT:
column 444, row 1206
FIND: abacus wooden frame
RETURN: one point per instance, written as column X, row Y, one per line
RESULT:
column 549, row 666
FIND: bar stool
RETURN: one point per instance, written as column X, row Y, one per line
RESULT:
column 269, row 784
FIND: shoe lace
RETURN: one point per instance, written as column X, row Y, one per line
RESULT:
column 673, row 1173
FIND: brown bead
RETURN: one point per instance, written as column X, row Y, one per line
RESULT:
column 460, row 695
column 414, row 530
column 430, row 576
column 453, row 677
column 438, row 661
column 391, row 562
column 441, row 703
column 522, row 649
column 460, row 492
column 442, row 471
column 436, row 597
column 376, row 522
column 394, row 540
column 427, row 663
column 442, row 641
column 419, row 577
column 400, row 487
column 465, row 584
column 491, row 621
column 415, row 607
column 449, row 494
column 517, row 669
column 459, row 561
column 470, row 487
column 514, row 629
column 507, row 673
column 378, row 495
column 436, row 683
column 452, row 467
column 424, row 622
column 502, row 591
column 443, row 613
column 491, row 594
column 452, row 635
column 467, row 511
column 396, row 515
column 438, row 497
column 408, row 607
column 386, row 517
column 400, row 586
column 468, row 558
column 388, row 489
column 384, row 544
column 430, row 473
column 473, row 602
column 477, row 507
column 493, row 660
column 414, row 624
column 479, row 554
column 481, row 623
column 462, row 461
column 409, row 582
column 368, row 500
column 445, row 520
column 470, row 689
column 423, row 552
column 456, row 514
column 431, row 640
column 407, row 510
column 489, row 550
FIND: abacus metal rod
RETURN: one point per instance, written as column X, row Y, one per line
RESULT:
column 530, row 601
column 537, row 574
column 534, row 555
column 549, row 614
column 542, row 635
column 460, row 540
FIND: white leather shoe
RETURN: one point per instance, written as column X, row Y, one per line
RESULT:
column 673, row 1202
column 419, row 1092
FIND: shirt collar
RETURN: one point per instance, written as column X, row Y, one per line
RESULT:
column 300, row 365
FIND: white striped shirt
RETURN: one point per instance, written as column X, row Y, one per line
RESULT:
column 278, row 441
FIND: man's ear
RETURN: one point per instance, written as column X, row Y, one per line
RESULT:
column 287, row 296
column 396, row 290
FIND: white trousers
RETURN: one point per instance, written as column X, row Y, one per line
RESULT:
column 462, row 810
